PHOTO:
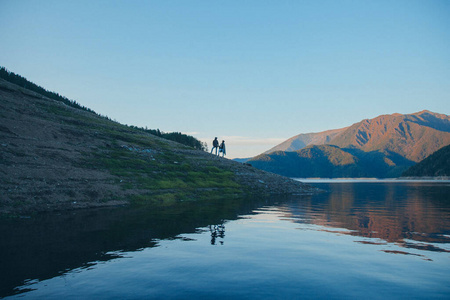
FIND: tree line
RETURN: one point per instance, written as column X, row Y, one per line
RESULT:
column 179, row 137
column 23, row 82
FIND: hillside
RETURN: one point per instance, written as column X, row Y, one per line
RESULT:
column 412, row 136
column 437, row 164
column 54, row 155
column 329, row 161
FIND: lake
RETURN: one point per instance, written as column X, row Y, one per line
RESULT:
column 371, row 239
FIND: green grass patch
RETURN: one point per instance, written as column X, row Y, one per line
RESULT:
column 163, row 172
column 170, row 184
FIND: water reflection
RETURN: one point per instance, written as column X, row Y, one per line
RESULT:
column 412, row 215
column 217, row 232
column 260, row 243
column 48, row 245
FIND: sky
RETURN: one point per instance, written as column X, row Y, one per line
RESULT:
column 252, row 73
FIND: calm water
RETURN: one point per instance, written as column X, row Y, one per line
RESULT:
column 361, row 239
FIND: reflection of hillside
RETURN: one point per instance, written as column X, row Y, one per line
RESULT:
column 49, row 245
column 392, row 212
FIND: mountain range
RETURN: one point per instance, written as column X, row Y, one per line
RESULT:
column 384, row 146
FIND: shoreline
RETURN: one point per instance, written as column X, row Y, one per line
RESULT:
column 393, row 180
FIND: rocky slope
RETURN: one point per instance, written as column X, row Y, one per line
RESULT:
column 53, row 156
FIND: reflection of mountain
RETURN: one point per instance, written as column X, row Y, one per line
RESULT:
column 384, row 146
column 390, row 212
column 48, row 245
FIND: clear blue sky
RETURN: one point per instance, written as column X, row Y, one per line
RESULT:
column 251, row 72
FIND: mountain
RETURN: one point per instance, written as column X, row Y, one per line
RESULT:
column 437, row 164
column 384, row 146
column 329, row 161
column 305, row 139
column 56, row 155
column 413, row 136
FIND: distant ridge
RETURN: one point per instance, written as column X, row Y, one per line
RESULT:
column 329, row 161
column 437, row 164
column 305, row 139
column 384, row 146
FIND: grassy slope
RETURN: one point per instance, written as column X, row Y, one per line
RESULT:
column 54, row 156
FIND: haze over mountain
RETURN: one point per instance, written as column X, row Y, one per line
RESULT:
column 384, row 146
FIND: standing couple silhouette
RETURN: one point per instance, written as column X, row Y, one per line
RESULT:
column 221, row 147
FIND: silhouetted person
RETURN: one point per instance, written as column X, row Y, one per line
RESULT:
column 222, row 149
column 215, row 145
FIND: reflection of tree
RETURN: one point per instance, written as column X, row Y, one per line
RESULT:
column 217, row 231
